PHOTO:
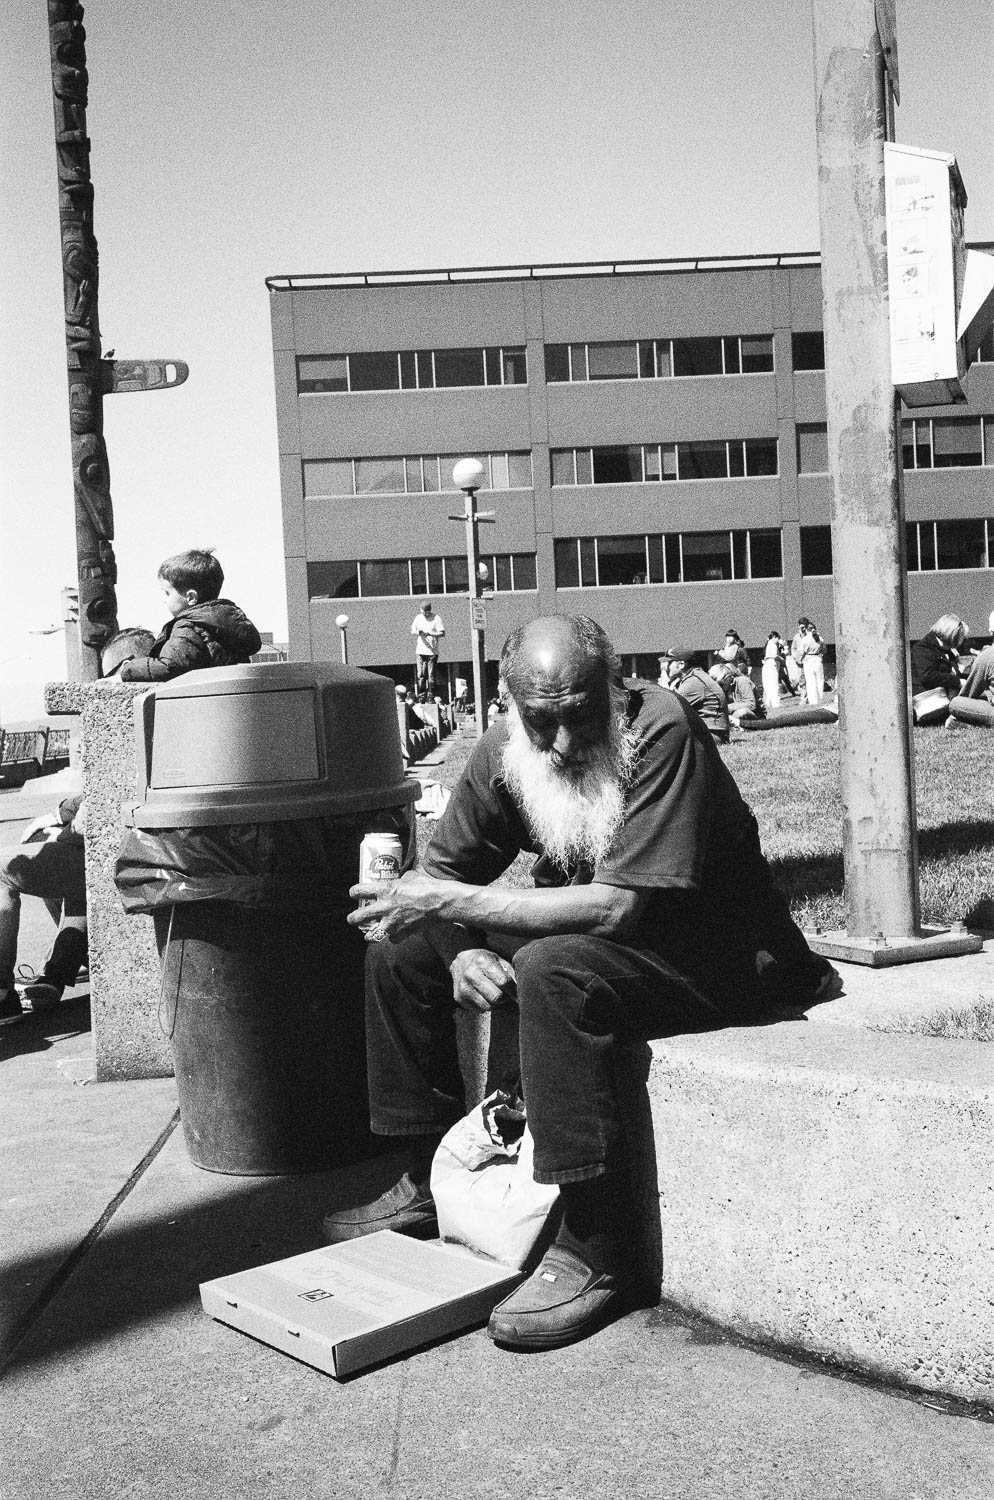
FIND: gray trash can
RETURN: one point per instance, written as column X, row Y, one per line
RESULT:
column 257, row 786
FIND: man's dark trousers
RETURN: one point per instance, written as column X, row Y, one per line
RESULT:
column 577, row 996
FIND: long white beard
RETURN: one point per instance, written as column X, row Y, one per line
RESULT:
column 573, row 815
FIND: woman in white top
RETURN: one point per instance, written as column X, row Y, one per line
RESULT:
column 772, row 658
column 813, row 664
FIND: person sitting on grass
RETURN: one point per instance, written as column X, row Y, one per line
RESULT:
column 740, row 691
column 681, row 672
column 974, row 704
column 205, row 630
column 935, row 658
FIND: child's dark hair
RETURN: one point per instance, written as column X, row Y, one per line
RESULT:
column 197, row 570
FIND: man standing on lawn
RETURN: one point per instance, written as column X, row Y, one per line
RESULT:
column 427, row 628
column 652, row 913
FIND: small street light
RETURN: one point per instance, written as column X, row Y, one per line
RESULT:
column 342, row 621
column 468, row 475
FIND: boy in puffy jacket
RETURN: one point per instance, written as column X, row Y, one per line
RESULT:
column 205, row 630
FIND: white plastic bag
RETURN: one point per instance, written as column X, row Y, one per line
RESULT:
column 483, row 1186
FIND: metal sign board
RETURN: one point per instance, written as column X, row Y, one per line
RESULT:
column 478, row 614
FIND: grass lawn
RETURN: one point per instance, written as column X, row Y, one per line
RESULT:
column 791, row 780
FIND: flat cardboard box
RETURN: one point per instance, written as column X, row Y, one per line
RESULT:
column 344, row 1307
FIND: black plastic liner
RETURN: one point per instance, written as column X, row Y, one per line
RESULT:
column 294, row 866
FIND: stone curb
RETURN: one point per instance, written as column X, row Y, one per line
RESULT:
column 832, row 1190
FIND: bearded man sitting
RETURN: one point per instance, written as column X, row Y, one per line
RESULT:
column 645, row 851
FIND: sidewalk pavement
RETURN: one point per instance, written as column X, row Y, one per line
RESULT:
column 119, row 1385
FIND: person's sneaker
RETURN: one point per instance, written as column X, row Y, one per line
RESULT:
column 563, row 1300
column 42, row 994
column 407, row 1207
column 10, row 1008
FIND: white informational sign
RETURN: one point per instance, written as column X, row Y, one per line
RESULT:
column 926, row 257
column 478, row 614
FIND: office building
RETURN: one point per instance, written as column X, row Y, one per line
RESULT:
column 655, row 449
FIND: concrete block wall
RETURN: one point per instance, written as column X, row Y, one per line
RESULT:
column 832, row 1190
column 124, row 967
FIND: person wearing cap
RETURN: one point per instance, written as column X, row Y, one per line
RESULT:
column 643, row 851
column 681, row 671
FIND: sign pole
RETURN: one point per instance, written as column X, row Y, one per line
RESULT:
column 469, row 474
column 879, row 836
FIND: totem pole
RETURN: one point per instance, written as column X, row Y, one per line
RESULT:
column 90, row 376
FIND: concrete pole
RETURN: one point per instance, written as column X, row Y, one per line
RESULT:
column 876, row 754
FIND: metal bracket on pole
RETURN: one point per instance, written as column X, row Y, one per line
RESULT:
column 120, row 376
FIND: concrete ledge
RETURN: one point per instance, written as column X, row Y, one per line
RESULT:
column 124, row 964
column 832, row 1189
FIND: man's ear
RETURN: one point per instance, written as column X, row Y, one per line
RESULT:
column 191, row 597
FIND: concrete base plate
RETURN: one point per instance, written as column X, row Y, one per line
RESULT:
column 931, row 942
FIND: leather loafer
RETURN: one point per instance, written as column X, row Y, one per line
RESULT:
column 405, row 1207
column 563, row 1300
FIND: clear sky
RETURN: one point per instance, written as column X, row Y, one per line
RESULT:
column 234, row 140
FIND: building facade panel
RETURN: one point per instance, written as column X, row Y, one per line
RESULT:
column 809, row 396
column 642, row 411
column 451, row 421
column 698, row 506
column 437, row 315
column 673, row 305
column 411, row 525
column 928, row 494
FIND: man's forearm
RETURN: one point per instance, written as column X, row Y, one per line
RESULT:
column 600, row 910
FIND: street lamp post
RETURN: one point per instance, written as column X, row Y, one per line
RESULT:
column 342, row 622
column 468, row 475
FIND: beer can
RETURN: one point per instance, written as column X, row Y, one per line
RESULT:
column 380, row 855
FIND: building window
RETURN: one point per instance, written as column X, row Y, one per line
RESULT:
column 946, row 545
column 986, row 351
column 332, row 580
column 808, row 351
column 379, row 476
column 411, row 369
column 735, row 458
column 659, row 359
column 677, row 557
column 812, row 448
column 620, row 465
column 413, row 474
column 403, row 577
column 947, row 442
column 816, row 551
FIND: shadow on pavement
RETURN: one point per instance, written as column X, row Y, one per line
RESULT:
column 39, row 1029
column 139, row 1267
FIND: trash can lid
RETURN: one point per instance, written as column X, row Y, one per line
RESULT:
column 267, row 742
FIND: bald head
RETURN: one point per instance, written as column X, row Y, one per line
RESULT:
column 558, row 653
column 559, row 672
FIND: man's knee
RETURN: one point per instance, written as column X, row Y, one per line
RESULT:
column 568, row 955
column 409, row 965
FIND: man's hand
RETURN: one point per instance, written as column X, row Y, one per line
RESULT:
column 398, row 907
column 481, row 980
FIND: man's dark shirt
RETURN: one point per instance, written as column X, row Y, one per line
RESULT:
column 687, row 838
